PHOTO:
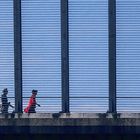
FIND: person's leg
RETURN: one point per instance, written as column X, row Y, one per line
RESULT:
column 5, row 109
column 32, row 110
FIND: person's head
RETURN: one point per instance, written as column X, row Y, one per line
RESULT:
column 5, row 91
column 34, row 92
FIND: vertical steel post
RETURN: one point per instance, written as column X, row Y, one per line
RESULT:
column 17, row 55
column 65, row 56
column 112, row 55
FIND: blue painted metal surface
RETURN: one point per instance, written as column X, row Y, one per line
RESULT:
column 41, row 41
column 128, row 55
column 7, row 48
column 88, row 37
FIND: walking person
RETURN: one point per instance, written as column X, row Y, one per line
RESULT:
column 32, row 103
column 4, row 100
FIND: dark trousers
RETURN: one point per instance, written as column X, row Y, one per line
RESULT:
column 32, row 110
column 4, row 109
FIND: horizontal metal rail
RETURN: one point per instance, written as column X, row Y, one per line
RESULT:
column 78, row 97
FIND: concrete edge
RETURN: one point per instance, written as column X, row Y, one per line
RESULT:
column 70, row 115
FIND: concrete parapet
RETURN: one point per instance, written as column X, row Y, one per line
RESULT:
column 70, row 123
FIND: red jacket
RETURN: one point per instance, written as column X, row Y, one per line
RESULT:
column 32, row 102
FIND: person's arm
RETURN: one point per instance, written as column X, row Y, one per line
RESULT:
column 11, row 105
column 38, row 104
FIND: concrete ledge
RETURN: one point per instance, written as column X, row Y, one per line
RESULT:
column 70, row 115
column 49, row 123
column 70, row 119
